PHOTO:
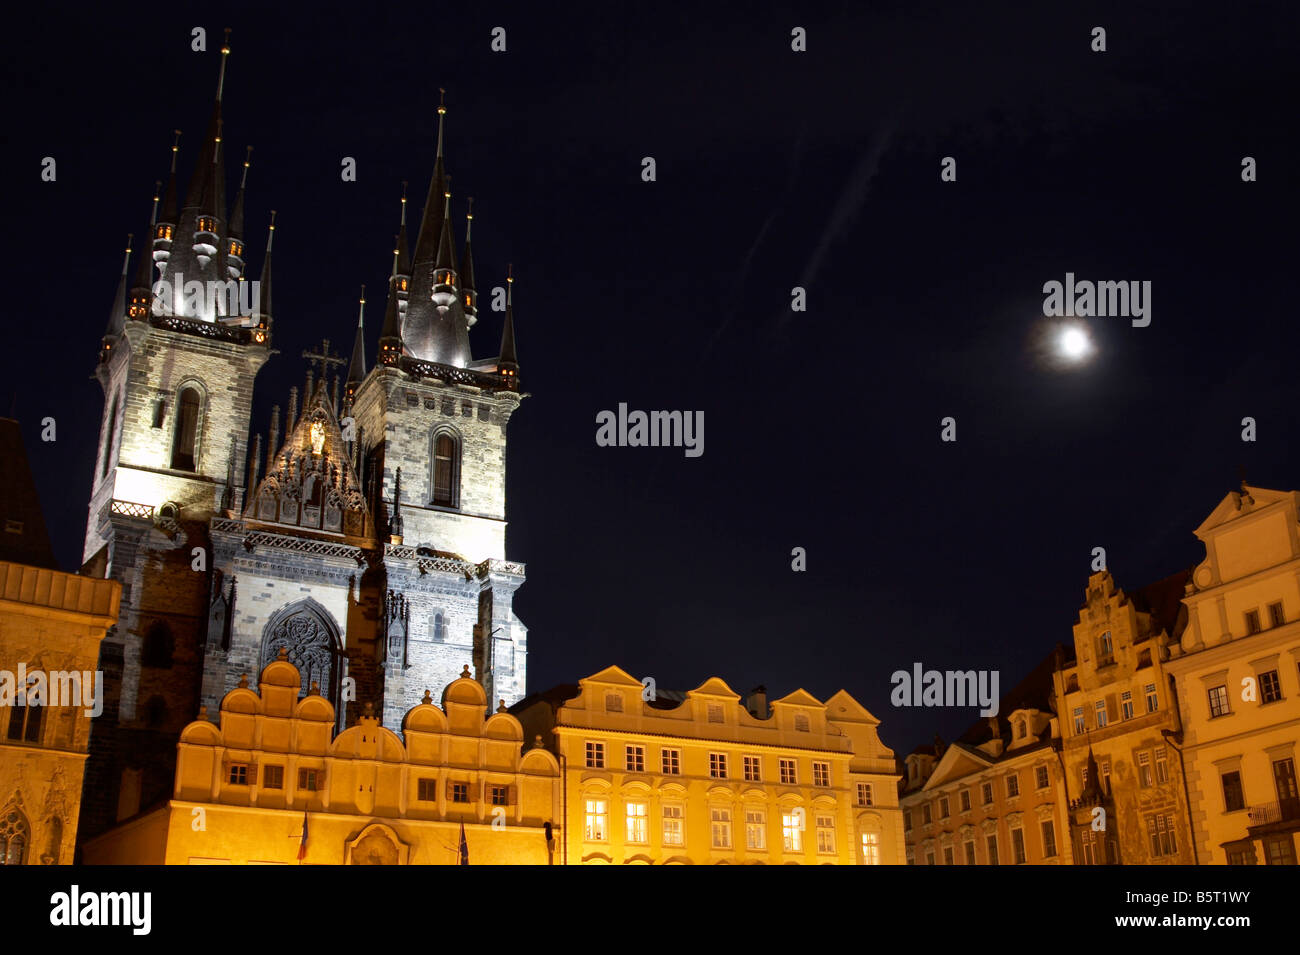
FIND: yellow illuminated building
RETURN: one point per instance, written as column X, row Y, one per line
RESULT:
column 702, row 777
column 1237, row 671
column 248, row 785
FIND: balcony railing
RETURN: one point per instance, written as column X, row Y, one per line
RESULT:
column 1284, row 810
column 459, row 376
column 130, row 509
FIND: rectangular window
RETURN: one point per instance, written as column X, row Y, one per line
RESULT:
column 1233, row 796
column 613, row 703
column 595, row 755
column 672, row 761
column 907, row 819
column 1153, row 703
column 826, row 834
column 1049, row 838
column 969, row 846
column 865, row 795
column 1013, row 785
column 426, row 790
column 460, row 792
column 638, row 822
column 943, row 807
column 964, row 799
column 1079, row 727
column 1160, row 829
column 925, row 814
column 499, row 795
column 674, row 831
column 788, row 775
column 801, row 722
column 986, row 793
column 753, row 769
column 718, row 765
column 272, row 777
column 821, row 774
column 792, row 831
column 1270, row 689
column 1279, row 850
column 1252, row 621
column 1018, row 846
column 1218, row 701
column 991, row 842
column 597, row 820
column 720, row 825
column 238, row 774
column 1144, row 768
column 1101, row 713
column 636, row 759
column 1126, row 705
column 870, row 848
column 309, row 779
column 715, row 713
column 1040, row 777
column 1276, row 615
column 929, row 858
column 755, row 829
column 1162, row 766
column 947, row 855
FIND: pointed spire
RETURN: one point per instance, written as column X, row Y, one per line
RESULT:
column 169, row 209
column 117, row 316
column 426, row 243
column 236, row 228
column 402, row 256
column 207, row 188
column 508, row 363
column 469, row 293
column 357, row 369
column 390, row 335
column 263, row 315
column 142, row 289
column 447, row 244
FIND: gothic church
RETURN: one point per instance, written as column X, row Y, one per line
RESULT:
column 367, row 540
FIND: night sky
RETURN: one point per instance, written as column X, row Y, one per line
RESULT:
column 774, row 169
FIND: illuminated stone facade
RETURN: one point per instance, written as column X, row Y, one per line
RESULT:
column 246, row 784
column 705, row 778
column 1237, row 668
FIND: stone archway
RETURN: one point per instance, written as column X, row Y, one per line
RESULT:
column 308, row 632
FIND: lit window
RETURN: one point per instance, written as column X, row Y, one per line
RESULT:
column 15, row 835
column 753, row 769
column 871, row 848
column 826, row 835
column 792, row 830
column 788, row 775
column 718, row 765
column 674, row 831
column 720, row 827
column 755, row 829
column 672, row 761
column 821, row 774
column 638, row 822
column 595, row 755
column 636, row 759
column 597, row 820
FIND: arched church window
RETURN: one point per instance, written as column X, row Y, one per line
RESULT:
column 158, row 647
column 14, row 837
column 446, row 469
column 25, row 721
column 185, row 439
column 438, row 628
column 109, row 428
column 312, row 644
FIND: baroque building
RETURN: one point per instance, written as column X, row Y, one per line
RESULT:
column 365, row 536
column 271, row 784
column 1237, row 672
column 51, row 625
column 704, row 777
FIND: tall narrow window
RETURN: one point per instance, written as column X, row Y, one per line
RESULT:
column 445, row 466
column 184, row 451
column 109, row 428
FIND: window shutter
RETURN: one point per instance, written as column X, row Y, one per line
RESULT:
column 1112, row 714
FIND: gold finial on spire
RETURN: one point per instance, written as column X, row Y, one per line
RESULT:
column 403, row 203
column 248, row 161
column 225, row 52
column 442, row 111
column 176, row 147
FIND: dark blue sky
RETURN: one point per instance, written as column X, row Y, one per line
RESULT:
column 775, row 169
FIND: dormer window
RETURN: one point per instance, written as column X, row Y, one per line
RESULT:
column 1020, row 729
column 469, row 299
column 236, row 247
column 401, row 284
column 163, row 231
column 801, row 722
column 207, row 224
column 613, row 703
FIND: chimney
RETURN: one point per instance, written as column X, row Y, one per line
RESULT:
column 756, row 702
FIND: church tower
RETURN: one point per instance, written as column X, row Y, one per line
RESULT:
column 432, row 425
column 185, row 340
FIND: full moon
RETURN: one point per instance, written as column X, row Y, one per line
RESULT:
column 1073, row 344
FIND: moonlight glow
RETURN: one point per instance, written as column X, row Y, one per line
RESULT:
column 1073, row 344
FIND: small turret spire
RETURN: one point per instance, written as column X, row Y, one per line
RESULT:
column 402, row 257
column 508, row 363
column 263, row 315
column 469, row 293
column 142, row 290
column 225, row 52
column 357, row 369
column 236, row 229
column 117, row 316
column 169, row 202
column 446, row 245
column 390, row 335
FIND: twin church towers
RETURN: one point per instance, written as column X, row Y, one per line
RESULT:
column 362, row 535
